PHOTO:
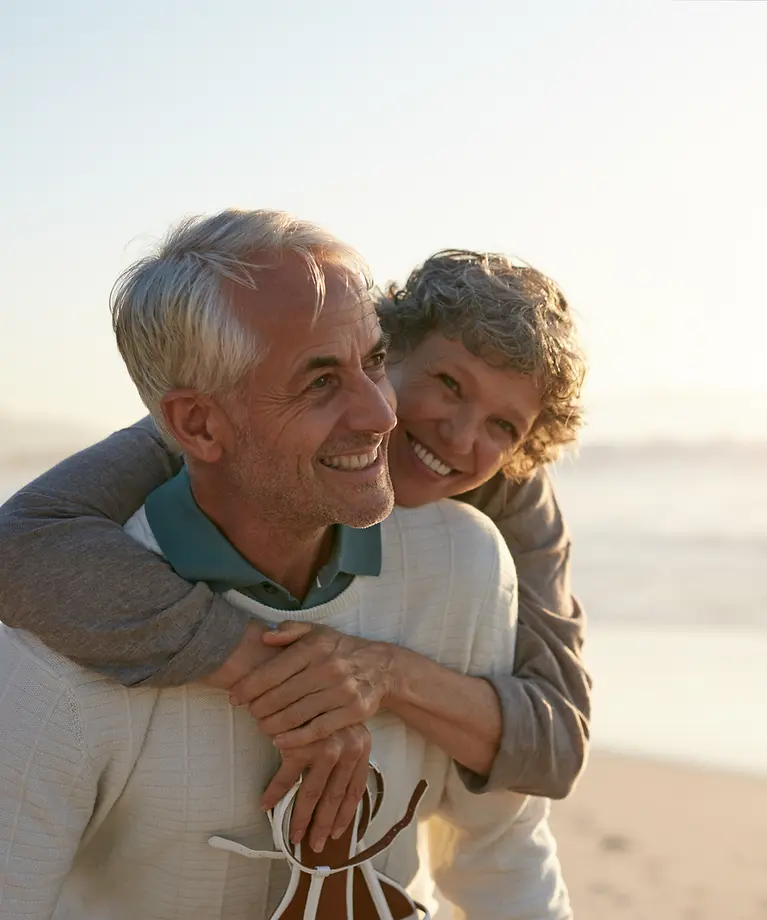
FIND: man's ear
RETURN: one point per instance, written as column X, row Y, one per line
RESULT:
column 199, row 425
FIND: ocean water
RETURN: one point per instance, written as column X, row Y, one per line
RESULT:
column 695, row 696
column 670, row 561
column 669, row 534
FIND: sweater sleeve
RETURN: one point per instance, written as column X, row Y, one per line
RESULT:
column 47, row 790
column 494, row 856
column 546, row 702
column 71, row 575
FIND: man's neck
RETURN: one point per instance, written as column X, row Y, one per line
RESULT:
column 287, row 555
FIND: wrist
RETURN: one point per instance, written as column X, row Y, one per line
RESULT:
column 395, row 661
column 248, row 654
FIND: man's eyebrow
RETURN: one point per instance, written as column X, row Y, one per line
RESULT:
column 319, row 362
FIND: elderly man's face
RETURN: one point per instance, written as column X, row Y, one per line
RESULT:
column 315, row 413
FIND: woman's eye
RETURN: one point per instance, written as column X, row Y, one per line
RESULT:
column 507, row 427
column 450, row 382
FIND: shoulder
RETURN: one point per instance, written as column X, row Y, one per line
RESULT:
column 525, row 511
column 448, row 523
column 58, row 696
column 456, row 584
column 446, row 515
column 448, row 534
column 40, row 690
column 22, row 654
column 502, row 497
column 138, row 528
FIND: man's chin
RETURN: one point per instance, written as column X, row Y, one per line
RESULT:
column 368, row 510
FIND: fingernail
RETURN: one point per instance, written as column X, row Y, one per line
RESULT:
column 336, row 832
column 297, row 836
column 319, row 845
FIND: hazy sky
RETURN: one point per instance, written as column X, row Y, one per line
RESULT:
column 620, row 147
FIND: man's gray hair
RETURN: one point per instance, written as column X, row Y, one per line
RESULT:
column 172, row 312
column 512, row 316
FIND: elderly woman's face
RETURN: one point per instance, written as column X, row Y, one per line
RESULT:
column 459, row 420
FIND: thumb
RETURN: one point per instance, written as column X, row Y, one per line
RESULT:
column 285, row 633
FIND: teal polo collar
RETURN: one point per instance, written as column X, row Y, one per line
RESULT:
column 198, row 551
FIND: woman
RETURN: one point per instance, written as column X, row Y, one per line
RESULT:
column 488, row 374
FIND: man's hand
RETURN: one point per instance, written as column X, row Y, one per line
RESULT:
column 323, row 682
column 334, row 776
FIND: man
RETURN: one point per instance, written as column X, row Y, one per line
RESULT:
column 254, row 343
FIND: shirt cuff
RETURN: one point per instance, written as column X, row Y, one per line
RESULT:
column 512, row 760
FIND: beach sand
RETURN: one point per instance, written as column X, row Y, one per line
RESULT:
column 644, row 839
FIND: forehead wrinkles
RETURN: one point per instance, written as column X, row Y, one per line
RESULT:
column 346, row 334
column 345, row 331
column 277, row 290
column 284, row 290
column 348, row 314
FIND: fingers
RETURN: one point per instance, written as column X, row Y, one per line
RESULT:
column 275, row 672
column 282, row 781
column 295, row 690
column 285, row 633
column 337, row 793
column 311, row 707
column 323, row 726
column 354, row 791
column 334, row 777
column 324, row 759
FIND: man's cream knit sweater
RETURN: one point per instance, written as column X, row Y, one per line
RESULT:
column 108, row 795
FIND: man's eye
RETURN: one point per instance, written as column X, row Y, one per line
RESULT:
column 321, row 383
column 376, row 365
column 378, row 360
column 450, row 382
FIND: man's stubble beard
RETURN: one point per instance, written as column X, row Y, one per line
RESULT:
column 278, row 495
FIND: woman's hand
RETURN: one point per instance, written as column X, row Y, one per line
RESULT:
column 323, row 681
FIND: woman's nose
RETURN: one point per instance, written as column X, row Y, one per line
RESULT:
column 459, row 432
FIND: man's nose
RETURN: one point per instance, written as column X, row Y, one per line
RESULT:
column 373, row 405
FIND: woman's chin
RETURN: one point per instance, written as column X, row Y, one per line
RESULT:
column 408, row 502
column 408, row 495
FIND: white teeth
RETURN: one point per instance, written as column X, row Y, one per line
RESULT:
column 428, row 459
column 356, row 462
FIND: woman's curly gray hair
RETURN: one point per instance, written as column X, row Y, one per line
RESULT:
column 510, row 315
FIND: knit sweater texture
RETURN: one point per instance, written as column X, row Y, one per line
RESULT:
column 108, row 795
